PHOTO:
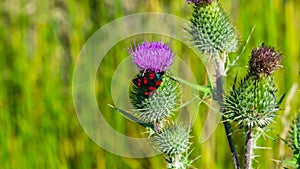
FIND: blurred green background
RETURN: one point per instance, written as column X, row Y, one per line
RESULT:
column 40, row 41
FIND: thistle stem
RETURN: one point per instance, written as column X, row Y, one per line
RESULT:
column 248, row 153
column 219, row 88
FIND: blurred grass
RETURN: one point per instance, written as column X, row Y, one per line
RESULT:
column 40, row 41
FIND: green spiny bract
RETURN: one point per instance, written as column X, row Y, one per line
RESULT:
column 173, row 141
column 160, row 105
column 211, row 30
column 182, row 163
column 294, row 141
column 252, row 103
column 294, row 134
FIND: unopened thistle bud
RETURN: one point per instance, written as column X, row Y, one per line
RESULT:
column 211, row 30
column 264, row 61
column 252, row 103
column 173, row 141
column 153, row 94
column 158, row 104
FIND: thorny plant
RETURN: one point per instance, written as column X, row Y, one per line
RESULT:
column 251, row 104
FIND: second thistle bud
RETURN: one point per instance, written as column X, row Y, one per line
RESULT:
column 253, row 102
column 173, row 140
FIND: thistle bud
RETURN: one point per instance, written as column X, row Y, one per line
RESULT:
column 159, row 103
column 173, row 141
column 211, row 30
column 252, row 103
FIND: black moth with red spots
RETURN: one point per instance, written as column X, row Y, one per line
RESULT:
column 148, row 82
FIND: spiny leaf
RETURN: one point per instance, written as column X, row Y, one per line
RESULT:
column 131, row 117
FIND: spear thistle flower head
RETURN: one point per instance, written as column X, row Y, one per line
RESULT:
column 264, row 61
column 154, row 56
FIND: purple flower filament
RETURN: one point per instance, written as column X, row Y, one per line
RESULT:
column 154, row 56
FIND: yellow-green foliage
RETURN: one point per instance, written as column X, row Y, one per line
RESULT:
column 39, row 44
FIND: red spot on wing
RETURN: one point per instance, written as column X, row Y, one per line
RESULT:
column 151, row 76
column 148, row 82
column 151, row 88
column 139, row 81
column 145, row 80
column 158, row 83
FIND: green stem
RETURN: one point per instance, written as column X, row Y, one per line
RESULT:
column 203, row 89
column 249, row 148
column 220, row 92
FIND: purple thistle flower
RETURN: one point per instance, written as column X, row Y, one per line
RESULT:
column 199, row 1
column 155, row 56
